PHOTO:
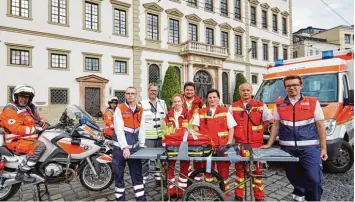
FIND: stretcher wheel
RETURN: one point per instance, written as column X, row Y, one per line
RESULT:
column 203, row 191
column 202, row 171
column 253, row 168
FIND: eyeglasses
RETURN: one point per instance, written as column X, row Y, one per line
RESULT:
column 130, row 93
column 293, row 85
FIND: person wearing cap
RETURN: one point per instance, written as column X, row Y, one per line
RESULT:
column 108, row 117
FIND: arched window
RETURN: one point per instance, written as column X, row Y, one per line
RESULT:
column 178, row 73
column 203, row 82
column 225, row 89
column 154, row 73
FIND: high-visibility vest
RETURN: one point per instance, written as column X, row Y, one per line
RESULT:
column 154, row 121
column 216, row 126
column 246, row 131
column 297, row 123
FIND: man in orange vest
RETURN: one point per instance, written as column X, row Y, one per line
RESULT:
column 299, row 122
column 250, row 116
column 127, row 140
column 20, row 120
column 219, row 123
column 108, row 117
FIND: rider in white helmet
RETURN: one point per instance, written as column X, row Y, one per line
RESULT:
column 108, row 117
column 21, row 121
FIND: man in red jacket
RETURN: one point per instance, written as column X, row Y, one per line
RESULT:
column 192, row 103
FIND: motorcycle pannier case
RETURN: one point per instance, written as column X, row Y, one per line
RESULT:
column 199, row 147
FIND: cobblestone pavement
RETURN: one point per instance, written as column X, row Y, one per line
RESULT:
column 277, row 188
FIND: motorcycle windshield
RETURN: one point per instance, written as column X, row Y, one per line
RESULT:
column 79, row 113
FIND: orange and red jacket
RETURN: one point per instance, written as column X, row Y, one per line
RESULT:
column 197, row 103
column 131, row 119
column 183, row 119
column 297, row 123
column 246, row 132
column 19, row 122
column 108, row 117
column 215, row 126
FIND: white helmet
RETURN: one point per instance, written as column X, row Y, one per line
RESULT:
column 113, row 100
column 23, row 90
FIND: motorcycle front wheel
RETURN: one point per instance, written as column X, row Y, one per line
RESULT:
column 97, row 183
column 7, row 192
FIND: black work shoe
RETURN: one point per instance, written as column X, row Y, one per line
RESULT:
column 238, row 198
column 24, row 177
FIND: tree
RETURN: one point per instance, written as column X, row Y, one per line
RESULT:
column 240, row 78
column 171, row 86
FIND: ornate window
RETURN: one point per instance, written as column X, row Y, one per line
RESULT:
column 120, row 95
column 59, row 10
column 178, row 73
column 58, row 96
column 153, row 27
column 120, row 21
column 238, row 45
column 254, row 50
column 154, row 73
column 224, row 39
column 237, row 10
column 225, row 89
column 274, row 22
column 203, row 81
column 20, row 8
column 224, row 7
column 209, row 5
column 193, row 32
column 174, row 31
column 209, row 36
column 264, row 18
column 252, row 15
column 92, row 15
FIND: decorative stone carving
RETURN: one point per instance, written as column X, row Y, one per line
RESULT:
column 265, row 5
column 239, row 29
column 225, row 26
column 255, row 2
column 153, row 6
column 285, row 14
column 210, row 21
column 193, row 17
column 275, row 10
column 120, row 3
column 174, row 12
column 254, row 38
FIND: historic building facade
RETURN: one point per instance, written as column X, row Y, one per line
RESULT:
column 83, row 52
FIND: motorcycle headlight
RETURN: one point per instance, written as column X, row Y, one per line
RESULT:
column 330, row 125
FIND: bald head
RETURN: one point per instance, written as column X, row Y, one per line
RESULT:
column 245, row 85
column 245, row 91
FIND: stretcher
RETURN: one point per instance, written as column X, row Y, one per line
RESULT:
column 214, row 191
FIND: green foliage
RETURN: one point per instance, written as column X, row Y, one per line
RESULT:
column 240, row 78
column 171, row 86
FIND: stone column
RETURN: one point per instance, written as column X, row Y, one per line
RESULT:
column 190, row 70
column 219, row 86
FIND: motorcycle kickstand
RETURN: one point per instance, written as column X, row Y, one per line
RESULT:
column 37, row 189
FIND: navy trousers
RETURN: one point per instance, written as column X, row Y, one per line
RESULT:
column 135, row 170
column 306, row 175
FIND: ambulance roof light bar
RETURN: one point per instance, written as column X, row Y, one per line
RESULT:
column 329, row 54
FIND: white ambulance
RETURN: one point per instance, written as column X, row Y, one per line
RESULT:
column 330, row 78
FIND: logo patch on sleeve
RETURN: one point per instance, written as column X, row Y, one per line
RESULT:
column 11, row 121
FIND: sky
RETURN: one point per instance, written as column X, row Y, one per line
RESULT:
column 316, row 14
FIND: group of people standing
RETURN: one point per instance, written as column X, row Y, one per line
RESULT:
column 297, row 119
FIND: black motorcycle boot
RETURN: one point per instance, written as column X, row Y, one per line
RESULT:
column 24, row 177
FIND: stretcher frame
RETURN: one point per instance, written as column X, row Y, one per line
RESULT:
column 257, row 155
